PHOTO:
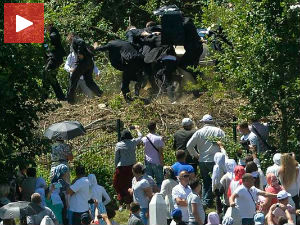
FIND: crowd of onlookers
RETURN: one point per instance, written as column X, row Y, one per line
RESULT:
column 242, row 192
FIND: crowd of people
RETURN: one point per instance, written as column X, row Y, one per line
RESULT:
column 238, row 189
column 145, row 55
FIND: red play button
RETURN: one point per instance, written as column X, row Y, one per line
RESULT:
column 23, row 22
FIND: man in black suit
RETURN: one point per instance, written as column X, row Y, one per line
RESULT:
column 54, row 53
column 84, row 67
column 125, row 57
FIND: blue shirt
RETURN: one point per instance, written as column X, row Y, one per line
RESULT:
column 180, row 166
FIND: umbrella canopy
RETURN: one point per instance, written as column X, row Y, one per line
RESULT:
column 12, row 210
column 65, row 130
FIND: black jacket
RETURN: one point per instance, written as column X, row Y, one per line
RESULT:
column 120, row 53
column 54, row 48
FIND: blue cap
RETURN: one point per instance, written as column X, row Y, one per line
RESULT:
column 259, row 219
column 176, row 214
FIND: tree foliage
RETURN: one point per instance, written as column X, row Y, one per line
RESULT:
column 264, row 64
column 21, row 103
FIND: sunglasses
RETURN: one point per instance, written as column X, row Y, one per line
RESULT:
column 186, row 176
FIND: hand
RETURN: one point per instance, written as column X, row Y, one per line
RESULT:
column 96, row 45
column 137, row 127
column 96, row 203
column 72, row 70
column 298, row 212
column 232, row 205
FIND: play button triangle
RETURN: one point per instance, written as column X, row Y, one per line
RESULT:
column 22, row 23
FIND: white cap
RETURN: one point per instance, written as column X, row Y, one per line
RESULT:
column 283, row 195
column 206, row 118
column 187, row 122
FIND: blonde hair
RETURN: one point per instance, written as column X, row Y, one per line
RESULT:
column 288, row 170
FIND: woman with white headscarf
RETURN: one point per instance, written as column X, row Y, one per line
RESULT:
column 98, row 193
column 230, row 164
column 218, row 171
column 275, row 167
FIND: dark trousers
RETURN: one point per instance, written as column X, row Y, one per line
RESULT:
column 76, row 218
column 206, row 168
column 247, row 221
column 132, row 72
column 49, row 78
column 83, row 67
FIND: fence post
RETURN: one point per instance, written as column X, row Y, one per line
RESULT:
column 119, row 129
column 234, row 120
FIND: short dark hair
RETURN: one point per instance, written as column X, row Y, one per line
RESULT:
column 194, row 183
column 282, row 220
column 152, row 126
column 79, row 170
column 248, row 158
column 111, row 213
column 251, row 167
column 180, row 154
column 36, row 198
column 246, row 176
column 138, row 168
column 244, row 125
column 134, row 207
column 31, row 172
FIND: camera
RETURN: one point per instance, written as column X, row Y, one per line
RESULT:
column 245, row 144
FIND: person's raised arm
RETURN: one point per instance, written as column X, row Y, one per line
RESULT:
column 270, row 215
column 267, row 194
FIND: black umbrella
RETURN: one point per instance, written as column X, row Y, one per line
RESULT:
column 65, row 130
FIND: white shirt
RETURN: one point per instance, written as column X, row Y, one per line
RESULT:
column 179, row 191
column 253, row 139
column 70, row 64
column 206, row 148
column 79, row 200
column 244, row 202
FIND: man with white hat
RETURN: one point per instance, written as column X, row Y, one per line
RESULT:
column 281, row 209
column 181, row 137
column 206, row 152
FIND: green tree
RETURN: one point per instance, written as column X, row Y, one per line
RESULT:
column 264, row 64
column 21, row 104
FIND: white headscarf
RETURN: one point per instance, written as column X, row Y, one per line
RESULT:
column 97, row 191
column 94, row 190
column 219, row 170
column 276, row 159
column 230, row 164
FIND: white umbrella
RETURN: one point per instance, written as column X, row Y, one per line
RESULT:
column 12, row 210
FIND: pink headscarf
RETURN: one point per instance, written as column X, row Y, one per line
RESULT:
column 273, row 184
column 213, row 219
column 239, row 171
